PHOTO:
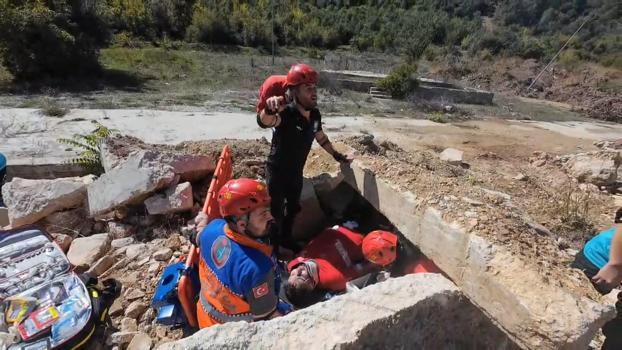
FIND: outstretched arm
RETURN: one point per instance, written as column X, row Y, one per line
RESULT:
column 269, row 117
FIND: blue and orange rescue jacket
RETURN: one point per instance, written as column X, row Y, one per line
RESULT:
column 239, row 277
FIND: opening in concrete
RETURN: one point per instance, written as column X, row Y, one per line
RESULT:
column 455, row 324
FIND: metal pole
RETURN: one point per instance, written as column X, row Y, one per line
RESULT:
column 272, row 10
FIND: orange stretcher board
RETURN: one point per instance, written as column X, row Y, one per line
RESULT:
column 222, row 174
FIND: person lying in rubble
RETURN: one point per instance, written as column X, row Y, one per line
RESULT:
column 239, row 277
column 601, row 261
column 288, row 103
column 337, row 257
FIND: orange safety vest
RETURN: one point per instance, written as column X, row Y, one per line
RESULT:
column 228, row 272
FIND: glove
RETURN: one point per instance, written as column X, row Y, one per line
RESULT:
column 340, row 157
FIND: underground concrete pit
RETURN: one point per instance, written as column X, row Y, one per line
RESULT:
column 535, row 312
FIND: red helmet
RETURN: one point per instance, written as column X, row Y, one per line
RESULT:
column 379, row 247
column 301, row 74
column 239, row 197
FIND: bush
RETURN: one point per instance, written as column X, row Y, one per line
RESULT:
column 400, row 82
column 208, row 27
column 485, row 55
column 50, row 39
column 613, row 60
column 437, row 117
column 171, row 17
column 51, row 108
column 570, row 58
column 458, row 29
column 132, row 16
column 531, row 48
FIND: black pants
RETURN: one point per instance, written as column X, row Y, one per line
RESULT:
column 285, row 192
column 612, row 329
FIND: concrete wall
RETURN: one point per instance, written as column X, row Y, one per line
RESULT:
column 536, row 314
column 428, row 89
column 455, row 95
column 423, row 311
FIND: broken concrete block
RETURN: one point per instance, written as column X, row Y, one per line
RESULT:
column 135, row 250
column 386, row 315
column 173, row 200
column 69, row 222
column 121, row 242
column 133, row 294
column 129, row 325
column 599, row 168
column 190, row 167
column 87, row 250
column 108, row 158
column 120, row 230
column 452, row 156
column 29, row 201
column 116, row 309
column 141, row 341
column 130, row 182
column 63, row 241
column 102, row 265
column 120, row 338
column 135, row 309
column 163, row 254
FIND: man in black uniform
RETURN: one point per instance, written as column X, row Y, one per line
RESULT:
column 295, row 125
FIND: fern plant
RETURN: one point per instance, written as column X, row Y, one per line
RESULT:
column 89, row 156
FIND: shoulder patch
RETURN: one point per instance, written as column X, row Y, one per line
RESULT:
column 261, row 290
column 221, row 250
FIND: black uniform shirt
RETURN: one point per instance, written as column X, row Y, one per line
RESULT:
column 292, row 140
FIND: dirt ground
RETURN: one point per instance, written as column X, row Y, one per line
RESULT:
column 545, row 196
column 591, row 89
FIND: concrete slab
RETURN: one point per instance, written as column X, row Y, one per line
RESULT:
column 421, row 311
column 535, row 313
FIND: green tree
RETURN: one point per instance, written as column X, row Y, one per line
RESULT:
column 51, row 38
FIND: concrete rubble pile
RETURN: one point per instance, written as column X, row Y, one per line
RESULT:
column 601, row 169
column 123, row 225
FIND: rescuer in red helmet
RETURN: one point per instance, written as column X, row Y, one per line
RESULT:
column 239, row 278
column 289, row 105
column 338, row 255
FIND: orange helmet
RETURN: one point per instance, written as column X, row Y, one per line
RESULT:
column 380, row 247
column 301, row 74
column 240, row 196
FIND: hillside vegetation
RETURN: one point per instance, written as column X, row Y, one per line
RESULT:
column 57, row 37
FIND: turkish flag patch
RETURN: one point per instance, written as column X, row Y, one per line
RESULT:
column 261, row 290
